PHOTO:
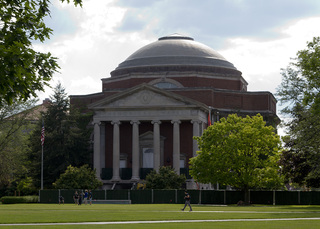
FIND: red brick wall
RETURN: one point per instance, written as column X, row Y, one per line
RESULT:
column 242, row 101
column 204, row 96
column 186, row 139
column 166, row 130
column 109, row 145
column 186, row 81
column 126, row 141
column 209, row 82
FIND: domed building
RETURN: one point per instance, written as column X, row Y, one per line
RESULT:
column 157, row 100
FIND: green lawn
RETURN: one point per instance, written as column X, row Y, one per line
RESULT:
column 69, row 213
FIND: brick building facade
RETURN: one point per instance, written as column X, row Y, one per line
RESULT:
column 157, row 100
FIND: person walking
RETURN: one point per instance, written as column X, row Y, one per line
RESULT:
column 61, row 200
column 90, row 197
column 76, row 198
column 85, row 197
column 187, row 199
column 80, row 197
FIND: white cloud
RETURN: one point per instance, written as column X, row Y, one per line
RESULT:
column 92, row 40
column 261, row 60
column 93, row 50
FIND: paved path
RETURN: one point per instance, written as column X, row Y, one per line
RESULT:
column 165, row 221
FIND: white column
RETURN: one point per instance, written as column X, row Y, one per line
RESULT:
column 96, row 149
column 102, row 145
column 116, row 150
column 135, row 150
column 196, row 132
column 156, row 145
column 176, row 146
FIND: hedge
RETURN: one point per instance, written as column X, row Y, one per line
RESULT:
column 19, row 199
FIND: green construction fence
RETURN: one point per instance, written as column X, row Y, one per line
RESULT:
column 217, row 197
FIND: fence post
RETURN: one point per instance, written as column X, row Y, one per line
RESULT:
column 225, row 197
column 151, row 195
column 200, row 197
column 274, row 197
column 299, row 196
column 39, row 196
column 105, row 194
column 128, row 194
column 176, row 196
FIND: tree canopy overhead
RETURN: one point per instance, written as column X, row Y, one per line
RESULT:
column 240, row 152
column 23, row 70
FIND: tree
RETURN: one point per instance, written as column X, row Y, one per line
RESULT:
column 24, row 70
column 301, row 80
column 165, row 179
column 294, row 166
column 240, row 152
column 299, row 92
column 67, row 140
column 15, row 126
column 78, row 178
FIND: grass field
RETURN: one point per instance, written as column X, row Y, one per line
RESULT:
column 166, row 215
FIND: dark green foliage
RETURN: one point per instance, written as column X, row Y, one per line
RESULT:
column 23, row 70
column 67, row 140
column 240, row 152
column 14, row 130
column 166, row 178
column 294, row 164
column 78, row 178
column 19, row 199
column 300, row 92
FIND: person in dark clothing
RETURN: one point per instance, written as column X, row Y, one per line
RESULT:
column 90, row 196
column 80, row 197
column 76, row 198
column 187, row 199
column 61, row 200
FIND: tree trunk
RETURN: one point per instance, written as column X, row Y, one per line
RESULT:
column 246, row 196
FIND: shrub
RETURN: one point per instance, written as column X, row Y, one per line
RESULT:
column 19, row 199
column 166, row 178
column 78, row 178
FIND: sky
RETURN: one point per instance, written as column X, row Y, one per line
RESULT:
column 260, row 37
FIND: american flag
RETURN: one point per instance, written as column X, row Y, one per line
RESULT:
column 209, row 120
column 42, row 135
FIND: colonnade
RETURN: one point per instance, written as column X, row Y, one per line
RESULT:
column 99, row 149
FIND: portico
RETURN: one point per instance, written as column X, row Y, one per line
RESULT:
column 151, row 108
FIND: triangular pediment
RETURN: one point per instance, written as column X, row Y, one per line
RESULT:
column 143, row 96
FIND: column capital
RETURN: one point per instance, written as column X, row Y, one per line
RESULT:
column 135, row 122
column 156, row 122
column 196, row 121
column 117, row 122
column 175, row 121
column 96, row 123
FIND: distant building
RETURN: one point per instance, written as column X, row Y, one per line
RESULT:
column 157, row 100
column 33, row 114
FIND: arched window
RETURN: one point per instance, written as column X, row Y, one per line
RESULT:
column 165, row 85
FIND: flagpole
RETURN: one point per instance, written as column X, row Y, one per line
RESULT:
column 42, row 143
column 41, row 166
